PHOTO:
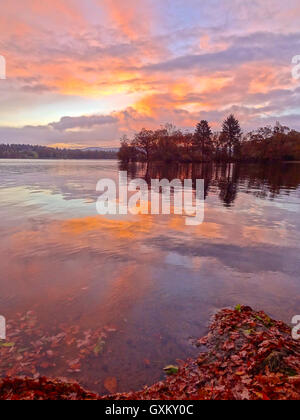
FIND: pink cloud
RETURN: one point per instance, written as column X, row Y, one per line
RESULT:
column 170, row 61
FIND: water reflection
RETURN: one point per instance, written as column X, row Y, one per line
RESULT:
column 264, row 181
column 153, row 279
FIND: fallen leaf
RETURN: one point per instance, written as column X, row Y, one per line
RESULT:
column 171, row 370
column 99, row 347
column 6, row 344
column 111, row 384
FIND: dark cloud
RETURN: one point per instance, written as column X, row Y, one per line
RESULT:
column 256, row 47
column 67, row 123
column 38, row 88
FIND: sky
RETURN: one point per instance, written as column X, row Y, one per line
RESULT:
column 84, row 73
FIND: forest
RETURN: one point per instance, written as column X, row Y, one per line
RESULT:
column 23, row 151
column 169, row 144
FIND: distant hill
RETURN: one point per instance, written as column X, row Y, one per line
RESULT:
column 101, row 149
column 25, row 151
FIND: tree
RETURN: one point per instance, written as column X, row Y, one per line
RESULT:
column 231, row 135
column 280, row 129
column 261, row 134
column 125, row 150
column 145, row 142
column 187, row 141
column 216, row 146
column 167, row 149
column 202, row 138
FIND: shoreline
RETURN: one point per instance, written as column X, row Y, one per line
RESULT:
column 248, row 356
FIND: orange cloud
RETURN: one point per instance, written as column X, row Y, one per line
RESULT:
column 122, row 229
column 130, row 16
column 155, row 66
column 266, row 77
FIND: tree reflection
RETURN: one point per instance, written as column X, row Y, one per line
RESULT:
column 223, row 180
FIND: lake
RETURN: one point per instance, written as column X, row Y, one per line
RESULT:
column 110, row 301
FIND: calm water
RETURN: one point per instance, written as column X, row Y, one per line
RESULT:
column 154, row 281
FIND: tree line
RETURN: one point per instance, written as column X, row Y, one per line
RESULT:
column 170, row 144
column 25, row 151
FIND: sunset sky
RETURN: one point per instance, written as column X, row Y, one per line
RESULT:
column 85, row 72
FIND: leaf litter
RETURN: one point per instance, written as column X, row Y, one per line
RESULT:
column 249, row 357
column 30, row 352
